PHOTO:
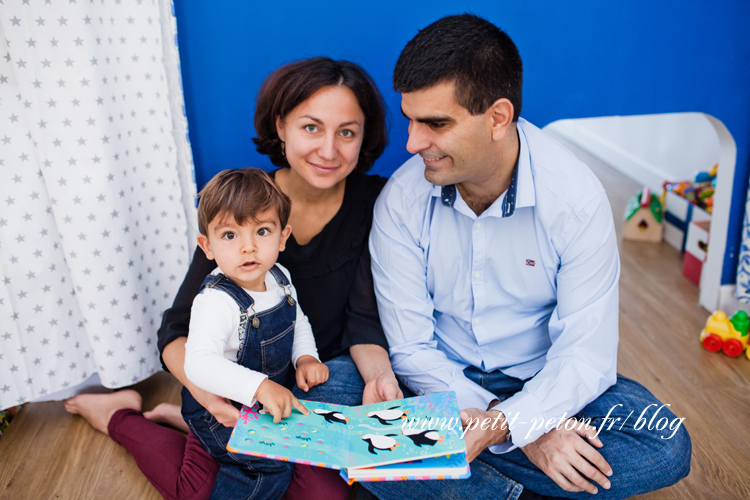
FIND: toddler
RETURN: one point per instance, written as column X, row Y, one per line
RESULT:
column 246, row 328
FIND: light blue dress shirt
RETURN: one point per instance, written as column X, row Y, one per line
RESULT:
column 529, row 287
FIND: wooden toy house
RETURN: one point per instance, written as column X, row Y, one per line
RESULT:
column 643, row 217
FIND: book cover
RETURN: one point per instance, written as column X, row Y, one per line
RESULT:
column 361, row 437
column 452, row 466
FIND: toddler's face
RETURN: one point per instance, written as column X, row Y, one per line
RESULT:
column 245, row 252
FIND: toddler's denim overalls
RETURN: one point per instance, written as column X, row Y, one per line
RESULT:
column 265, row 346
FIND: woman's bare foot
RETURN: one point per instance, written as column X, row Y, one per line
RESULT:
column 98, row 409
column 167, row 413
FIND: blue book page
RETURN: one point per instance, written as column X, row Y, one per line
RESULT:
column 315, row 439
column 406, row 429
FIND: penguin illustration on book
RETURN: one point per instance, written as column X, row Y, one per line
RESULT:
column 332, row 416
column 387, row 416
column 420, row 437
column 380, row 442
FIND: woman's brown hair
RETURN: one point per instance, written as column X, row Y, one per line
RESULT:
column 292, row 84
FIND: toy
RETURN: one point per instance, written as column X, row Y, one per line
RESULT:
column 728, row 335
column 643, row 217
column 699, row 192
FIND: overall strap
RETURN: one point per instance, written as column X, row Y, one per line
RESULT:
column 279, row 276
column 284, row 283
column 226, row 285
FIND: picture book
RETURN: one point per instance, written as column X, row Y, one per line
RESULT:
column 393, row 440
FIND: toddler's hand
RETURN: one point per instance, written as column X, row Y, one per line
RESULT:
column 310, row 372
column 278, row 400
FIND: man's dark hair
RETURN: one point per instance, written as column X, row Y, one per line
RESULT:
column 292, row 84
column 478, row 56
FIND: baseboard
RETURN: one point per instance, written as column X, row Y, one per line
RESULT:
column 728, row 301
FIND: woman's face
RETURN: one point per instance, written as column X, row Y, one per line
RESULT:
column 323, row 136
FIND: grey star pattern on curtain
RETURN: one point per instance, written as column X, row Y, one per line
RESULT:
column 96, row 190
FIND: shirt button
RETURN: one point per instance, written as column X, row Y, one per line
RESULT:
column 477, row 274
column 478, row 224
column 477, row 321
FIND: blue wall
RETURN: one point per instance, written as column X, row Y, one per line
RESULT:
column 582, row 59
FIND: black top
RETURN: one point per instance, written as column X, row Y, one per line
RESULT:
column 331, row 274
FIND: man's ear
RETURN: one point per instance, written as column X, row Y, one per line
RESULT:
column 280, row 128
column 205, row 246
column 284, row 236
column 500, row 115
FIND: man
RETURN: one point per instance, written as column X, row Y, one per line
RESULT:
column 496, row 272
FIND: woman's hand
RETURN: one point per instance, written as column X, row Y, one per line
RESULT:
column 222, row 410
column 278, row 400
column 310, row 372
column 382, row 388
column 374, row 365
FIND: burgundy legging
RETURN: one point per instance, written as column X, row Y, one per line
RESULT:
column 179, row 467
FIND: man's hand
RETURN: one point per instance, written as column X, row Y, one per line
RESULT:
column 483, row 429
column 566, row 456
column 310, row 372
column 278, row 400
column 384, row 387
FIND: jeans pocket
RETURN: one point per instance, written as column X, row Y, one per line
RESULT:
column 276, row 352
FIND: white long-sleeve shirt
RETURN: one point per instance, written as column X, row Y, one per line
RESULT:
column 213, row 341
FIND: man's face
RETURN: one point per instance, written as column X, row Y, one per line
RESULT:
column 453, row 143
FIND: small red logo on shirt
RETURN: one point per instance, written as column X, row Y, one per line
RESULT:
column 530, row 262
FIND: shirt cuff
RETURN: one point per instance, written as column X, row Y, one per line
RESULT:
column 525, row 421
column 252, row 388
column 313, row 354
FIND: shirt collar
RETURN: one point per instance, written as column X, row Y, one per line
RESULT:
column 520, row 192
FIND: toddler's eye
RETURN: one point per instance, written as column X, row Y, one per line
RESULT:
column 229, row 235
column 263, row 231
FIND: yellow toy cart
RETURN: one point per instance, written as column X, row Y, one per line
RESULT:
column 728, row 335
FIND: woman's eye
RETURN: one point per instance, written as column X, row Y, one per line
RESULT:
column 347, row 133
column 263, row 232
column 311, row 128
column 229, row 235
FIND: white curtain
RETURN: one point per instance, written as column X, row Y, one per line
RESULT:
column 97, row 214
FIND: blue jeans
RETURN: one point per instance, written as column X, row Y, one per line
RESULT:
column 343, row 387
column 641, row 459
column 240, row 476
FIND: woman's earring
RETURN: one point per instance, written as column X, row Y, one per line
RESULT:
column 283, row 149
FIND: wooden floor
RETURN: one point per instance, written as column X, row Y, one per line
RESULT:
column 47, row 453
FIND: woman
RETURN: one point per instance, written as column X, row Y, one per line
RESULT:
column 325, row 121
